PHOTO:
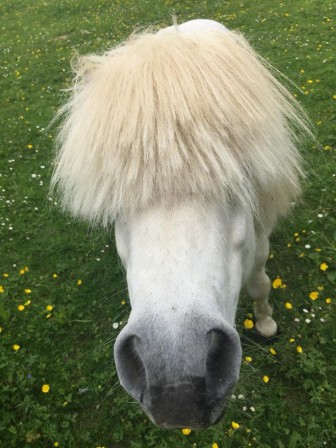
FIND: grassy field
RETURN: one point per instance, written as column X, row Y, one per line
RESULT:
column 63, row 295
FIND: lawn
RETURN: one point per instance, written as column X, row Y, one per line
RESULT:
column 63, row 294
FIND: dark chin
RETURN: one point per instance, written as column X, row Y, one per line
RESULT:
column 208, row 419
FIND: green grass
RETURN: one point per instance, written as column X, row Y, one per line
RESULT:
column 71, row 350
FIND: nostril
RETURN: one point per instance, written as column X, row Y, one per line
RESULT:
column 130, row 367
column 222, row 364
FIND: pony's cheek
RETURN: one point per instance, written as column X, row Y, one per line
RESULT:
column 122, row 241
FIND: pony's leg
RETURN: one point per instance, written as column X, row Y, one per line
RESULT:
column 259, row 286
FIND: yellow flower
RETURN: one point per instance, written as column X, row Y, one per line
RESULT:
column 49, row 307
column 248, row 359
column 26, row 268
column 272, row 351
column 277, row 283
column 27, row 303
column 45, row 388
column 21, row 307
column 317, row 249
column 248, row 323
column 215, row 445
column 29, row 146
column 123, row 302
column 291, row 340
column 299, row 349
column 235, row 425
column 324, row 266
column 296, row 234
column 328, row 300
column 22, row 271
column 16, row 347
column 55, row 275
column 6, row 275
column 288, row 306
column 327, row 147
column 79, row 282
column 56, row 444
column 313, row 295
column 186, row 431
column 27, row 291
column 48, row 316
column 2, row 289
column 265, row 379
column 289, row 245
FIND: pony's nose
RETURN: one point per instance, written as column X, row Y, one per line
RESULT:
column 178, row 387
column 179, row 405
column 130, row 366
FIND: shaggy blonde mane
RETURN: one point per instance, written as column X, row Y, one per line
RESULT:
column 169, row 116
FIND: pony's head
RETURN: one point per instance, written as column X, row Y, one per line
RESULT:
column 185, row 140
column 179, row 355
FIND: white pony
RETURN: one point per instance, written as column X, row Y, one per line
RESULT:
column 186, row 141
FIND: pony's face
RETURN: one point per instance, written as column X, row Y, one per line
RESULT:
column 179, row 355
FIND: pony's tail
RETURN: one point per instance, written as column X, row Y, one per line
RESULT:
column 167, row 116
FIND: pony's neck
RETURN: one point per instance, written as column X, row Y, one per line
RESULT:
column 187, row 256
